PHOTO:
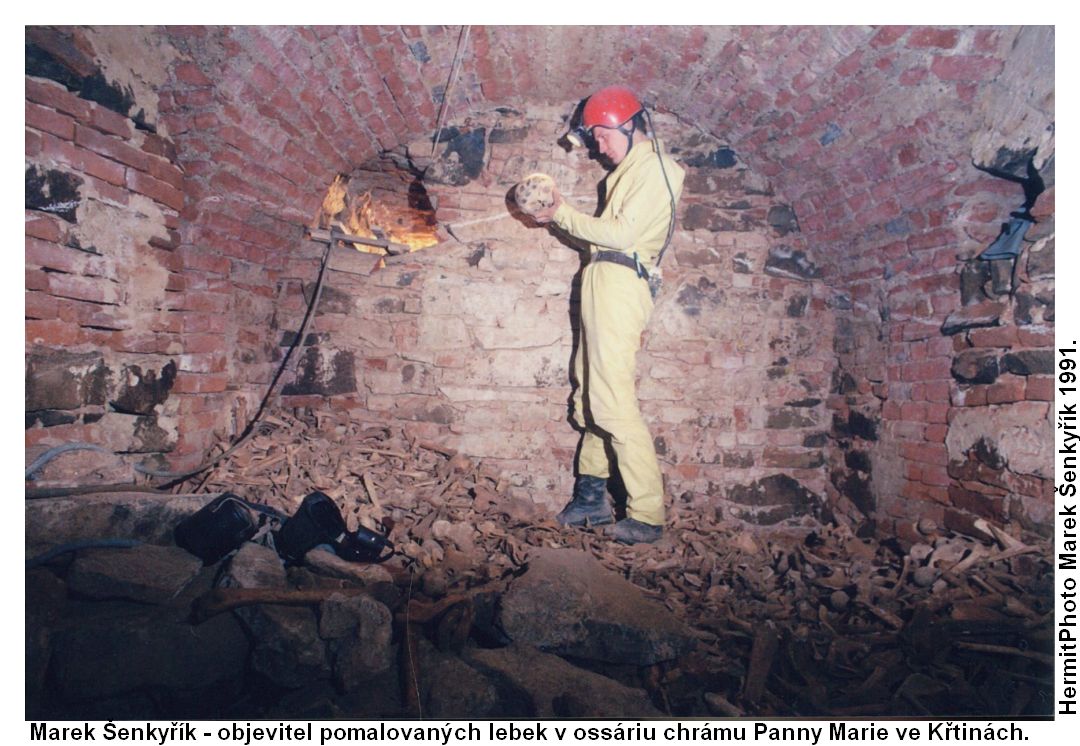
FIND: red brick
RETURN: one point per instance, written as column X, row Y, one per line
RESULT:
column 158, row 191
column 186, row 383
column 59, row 434
column 917, row 352
column 109, row 121
column 193, row 32
column 190, row 73
column 688, row 471
column 167, row 172
column 917, row 491
column 205, row 261
column 909, row 431
column 966, row 67
column 106, row 192
column 937, row 494
column 929, row 370
column 917, row 330
column 205, row 302
column 93, row 289
column 206, row 421
column 913, row 76
column 47, row 254
column 40, row 305
column 937, row 413
column 994, row 336
column 913, row 411
column 927, row 453
column 1040, row 388
column 204, row 322
column 940, row 346
column 1029, row 337
column 936, row 433
column 110, row 147
column 52, row 333
column 966, row 91
column 189, row 405
column 933, row 239
column 198, row 98
column 85, row 313
column 204, row 362
column 45, row 227
column 937, row 476
column 83, row 160
column 155, row 144
column 888, row 35
column 1044, row 205
column 908, row 155
column 176, row 283
column 169, row 242
column 55, row 96
column 926, row 38
column 986, row 185
column 48, row 120
column 1005, row 390
column 293, row 402
column 971, row 396
column 166, row 321
column 195, row 343
column 36, row 279
column 33, row 143
column 200, row 383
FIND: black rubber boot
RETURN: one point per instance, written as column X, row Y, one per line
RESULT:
column 588, row 505
column 629, row 531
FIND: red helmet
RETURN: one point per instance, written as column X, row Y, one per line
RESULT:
column 612, row 107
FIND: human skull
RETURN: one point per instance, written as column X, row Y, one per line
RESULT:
column 535, row 193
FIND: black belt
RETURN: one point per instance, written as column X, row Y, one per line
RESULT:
column 617, row 257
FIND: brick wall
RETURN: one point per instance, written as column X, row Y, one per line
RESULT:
column 824, row 316
column 470, row 342
column 104, row 345
column 945, row 360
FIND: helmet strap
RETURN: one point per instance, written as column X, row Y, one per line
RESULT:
column 629, row 134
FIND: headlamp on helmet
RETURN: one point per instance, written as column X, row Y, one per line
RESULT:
column 612, row 107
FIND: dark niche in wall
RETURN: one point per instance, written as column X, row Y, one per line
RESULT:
column 52, row 54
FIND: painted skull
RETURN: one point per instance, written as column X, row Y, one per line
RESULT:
column 534, row 193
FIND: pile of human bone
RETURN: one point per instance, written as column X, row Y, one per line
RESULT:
column 490, row 608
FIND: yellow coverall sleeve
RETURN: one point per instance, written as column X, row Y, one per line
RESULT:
column 644, row 207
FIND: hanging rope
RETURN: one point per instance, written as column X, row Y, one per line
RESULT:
column 455, row 67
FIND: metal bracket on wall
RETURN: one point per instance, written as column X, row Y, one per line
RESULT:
column 329, row 236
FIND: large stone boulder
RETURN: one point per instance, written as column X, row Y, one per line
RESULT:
column 117, row 647
column 358, row 630
column 143, row 516
column 147, row 573
column 449, row 688
column 288, row 650
column 568, row 603
column 551, row 687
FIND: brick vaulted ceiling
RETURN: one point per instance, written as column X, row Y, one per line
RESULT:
column 859, row 127
column 200, row 154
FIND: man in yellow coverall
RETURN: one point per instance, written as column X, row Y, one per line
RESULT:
column 625, row 242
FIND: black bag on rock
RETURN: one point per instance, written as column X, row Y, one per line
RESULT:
column 318, row 521
column 217, row 528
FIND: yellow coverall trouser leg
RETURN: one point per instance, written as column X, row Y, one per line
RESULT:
column 615, row 307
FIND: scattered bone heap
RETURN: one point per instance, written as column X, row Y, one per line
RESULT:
column 799, row 618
